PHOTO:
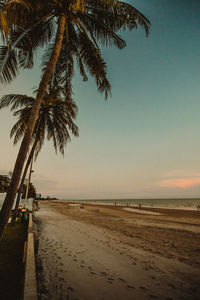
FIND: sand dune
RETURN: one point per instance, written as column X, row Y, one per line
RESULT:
column 104, row 252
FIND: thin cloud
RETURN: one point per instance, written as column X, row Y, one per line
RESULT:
column 180, row 182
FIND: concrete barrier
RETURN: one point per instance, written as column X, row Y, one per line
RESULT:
column 30, row 289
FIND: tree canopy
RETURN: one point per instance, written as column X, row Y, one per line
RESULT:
column 5, row 182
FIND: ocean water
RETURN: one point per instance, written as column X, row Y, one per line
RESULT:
column 181, row 203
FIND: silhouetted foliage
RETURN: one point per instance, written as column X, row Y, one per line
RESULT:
column 31, row 191
column 4, row 183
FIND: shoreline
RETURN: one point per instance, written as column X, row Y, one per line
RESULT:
column 194, row 208
column 104, row 252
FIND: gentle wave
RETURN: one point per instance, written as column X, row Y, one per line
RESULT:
column 189, row 203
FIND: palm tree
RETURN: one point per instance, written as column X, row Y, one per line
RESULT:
column 80, row 25
column 54, row 120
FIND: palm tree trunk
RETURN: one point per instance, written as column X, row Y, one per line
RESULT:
column 22, row 181
column 28, row 184
column 8, row 202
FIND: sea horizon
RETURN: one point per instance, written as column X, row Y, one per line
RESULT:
column 190, row 203
column 176, row 202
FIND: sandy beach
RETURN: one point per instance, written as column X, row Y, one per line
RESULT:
column 105, row 252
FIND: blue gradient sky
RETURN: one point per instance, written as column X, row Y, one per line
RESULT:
column 144, row 141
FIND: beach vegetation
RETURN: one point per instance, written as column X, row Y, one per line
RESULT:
column 4, row 183
column 31, row 192
column 73, row 31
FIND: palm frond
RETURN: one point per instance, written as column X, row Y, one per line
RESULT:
column 22, row 43
column 18, row 131
column 91, row 58
column 117, row 15
column 101, row 31
column 15, row 101
column 8, row 64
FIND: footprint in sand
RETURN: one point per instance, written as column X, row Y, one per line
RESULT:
column 121, row 279
column 93, row 273
column 70, row 289
column 103, row 273
column 158, row 284
column 153, row 296
column 110, row 278
column 130, row 287
column 61, row 279
column 143, row 288
column 171, row 285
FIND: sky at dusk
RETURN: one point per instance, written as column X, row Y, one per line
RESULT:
column 144, row 141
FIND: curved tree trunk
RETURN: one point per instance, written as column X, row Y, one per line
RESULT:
column 28, row 184
column 8, row 202
column 22, row 182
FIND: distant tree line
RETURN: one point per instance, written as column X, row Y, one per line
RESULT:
column 5, row 183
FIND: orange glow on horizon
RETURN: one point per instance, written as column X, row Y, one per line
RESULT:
column 180, row 182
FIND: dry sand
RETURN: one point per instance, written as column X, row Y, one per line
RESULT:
column 105, row 252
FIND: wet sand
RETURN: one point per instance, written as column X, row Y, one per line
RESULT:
column 105, row 252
